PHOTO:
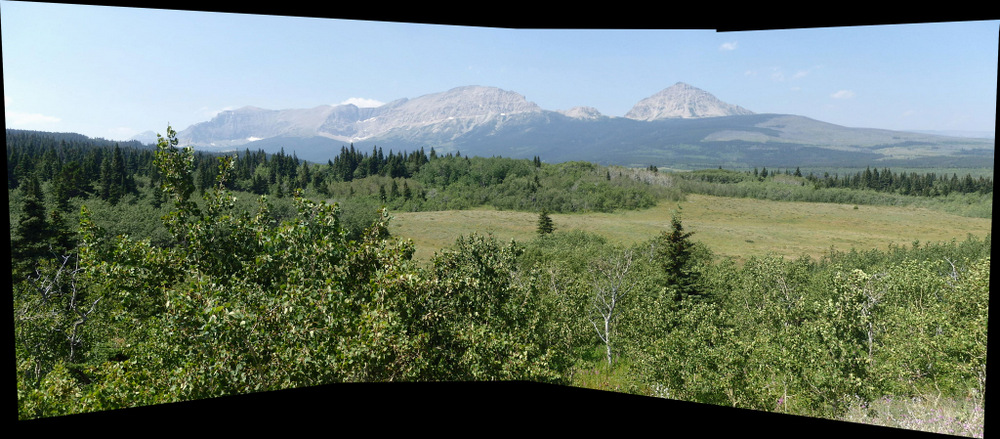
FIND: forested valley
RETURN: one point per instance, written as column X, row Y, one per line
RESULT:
column 149, row 275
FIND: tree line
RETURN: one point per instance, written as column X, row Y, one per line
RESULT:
column 928, row 184
column 412, row 181
column 967, row 196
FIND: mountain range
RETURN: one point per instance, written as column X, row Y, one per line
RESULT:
column 680, row 126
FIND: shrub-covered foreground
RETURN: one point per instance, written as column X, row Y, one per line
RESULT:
column 799, row 336
column 239, row 305
column 237, row 302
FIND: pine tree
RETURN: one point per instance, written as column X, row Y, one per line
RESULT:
column 258, row 184
column 32, row 234
column 676, row 255
column 407, row 193
column 104, row 184
column 115, row 182
column 394, row 190
column 545, row 224
column 69, row 183
column 278, row 189
column 61, row 237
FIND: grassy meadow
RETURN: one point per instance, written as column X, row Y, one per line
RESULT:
column 733, row 227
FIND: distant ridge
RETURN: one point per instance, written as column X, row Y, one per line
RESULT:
column 458, row 110
column 680, row 126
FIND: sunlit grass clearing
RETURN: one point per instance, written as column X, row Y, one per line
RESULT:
column 737, row 227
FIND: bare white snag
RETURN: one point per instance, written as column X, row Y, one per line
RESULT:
column 52, row 288
column 611, row 286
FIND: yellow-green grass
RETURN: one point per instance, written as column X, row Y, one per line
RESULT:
column 737, row 227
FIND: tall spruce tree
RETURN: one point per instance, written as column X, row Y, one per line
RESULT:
column 115, row 182
column 676, row 255
column 31, row 237
column 545, row 224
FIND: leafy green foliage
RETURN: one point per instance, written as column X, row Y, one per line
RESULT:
column 236, row 289
column 499, row 325
column 797, row 336
column 241, row 303
column 453, row 182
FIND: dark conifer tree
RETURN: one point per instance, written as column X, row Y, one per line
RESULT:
column 258, row 185
column 30, row 240
column 545, row 224
column 407, row 193
column 394, row 190
column 675, row 252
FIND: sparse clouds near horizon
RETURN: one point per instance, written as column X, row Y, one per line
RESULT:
column 778, row 74
column 21, row 119
column 28, row 119
column 842, row 94
column 728, row 46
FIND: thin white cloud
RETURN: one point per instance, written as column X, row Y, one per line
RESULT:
column 363, row 102
column 800, row 74
column 842, row 94
column 778, row 75
column 18, row 119
column 728, row 46
column 15, row 119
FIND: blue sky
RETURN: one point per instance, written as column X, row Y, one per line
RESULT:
column 115, row 72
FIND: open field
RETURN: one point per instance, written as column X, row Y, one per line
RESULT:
column 729, row 226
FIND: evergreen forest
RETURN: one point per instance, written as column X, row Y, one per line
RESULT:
column 145, row 275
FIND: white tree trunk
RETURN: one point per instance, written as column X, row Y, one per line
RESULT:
column 611, row 285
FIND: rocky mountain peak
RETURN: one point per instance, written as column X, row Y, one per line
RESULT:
column 460, row 107
column 583, row 113
column 455, row 111
column 683, row 101
column 468, row 101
